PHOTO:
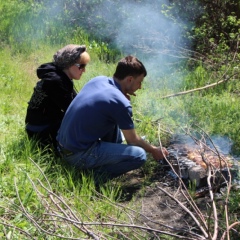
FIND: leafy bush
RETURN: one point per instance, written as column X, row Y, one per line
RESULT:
column 37, row 28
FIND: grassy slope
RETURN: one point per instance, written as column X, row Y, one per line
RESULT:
column 217, row 113
column 18, row 156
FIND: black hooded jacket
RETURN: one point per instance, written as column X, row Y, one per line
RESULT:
column 51, row 97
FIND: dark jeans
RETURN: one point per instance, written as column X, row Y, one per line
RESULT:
column 108, row 157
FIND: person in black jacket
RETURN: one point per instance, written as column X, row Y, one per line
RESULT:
column 54, row 92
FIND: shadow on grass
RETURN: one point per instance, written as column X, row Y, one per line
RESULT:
column 60, row 173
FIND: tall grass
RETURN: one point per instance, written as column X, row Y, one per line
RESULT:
column 23, row 166
column 20, row 157
column 28, row 175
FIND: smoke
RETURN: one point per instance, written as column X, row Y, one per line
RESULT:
column 145, row 29
column 157, row 36
column 222, row 143
column 142, row 29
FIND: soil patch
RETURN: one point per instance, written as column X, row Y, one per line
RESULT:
column 157, row 209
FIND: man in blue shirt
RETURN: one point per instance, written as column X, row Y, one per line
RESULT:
column 90, row 133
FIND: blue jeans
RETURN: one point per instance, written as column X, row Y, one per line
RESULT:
column 108, row 160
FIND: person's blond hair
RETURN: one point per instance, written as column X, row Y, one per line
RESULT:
column 68, row 55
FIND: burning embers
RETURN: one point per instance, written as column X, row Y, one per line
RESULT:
column 198, row 156
column 191, row 160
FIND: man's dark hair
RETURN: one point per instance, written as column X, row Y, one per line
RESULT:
column 129, row 66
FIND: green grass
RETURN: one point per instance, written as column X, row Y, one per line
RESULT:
column 29, row 176
column 34, row 184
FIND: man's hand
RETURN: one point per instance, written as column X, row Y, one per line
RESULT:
column 159, row 153
column 132, row 138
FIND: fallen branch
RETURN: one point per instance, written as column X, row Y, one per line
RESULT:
column 201, row 88
column 214, row 209
column 229, row 185
column 229, row 228
column 186, row 194
column 2, row 222
column 187, row 211
column 55, row 215
column 210, row 175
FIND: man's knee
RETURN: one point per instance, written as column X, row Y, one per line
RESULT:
column 141, row 154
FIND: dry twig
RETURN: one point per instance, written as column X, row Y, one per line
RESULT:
column 201, row 88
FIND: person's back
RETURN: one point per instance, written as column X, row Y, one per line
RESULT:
column 90, row 133
column 52, row 95
column 54, row 92
column 93, row 113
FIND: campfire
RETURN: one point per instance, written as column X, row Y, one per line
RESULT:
column 191, row 160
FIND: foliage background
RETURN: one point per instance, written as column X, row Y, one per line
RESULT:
column 184, row 45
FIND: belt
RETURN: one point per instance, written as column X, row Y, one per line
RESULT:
column 63, row 151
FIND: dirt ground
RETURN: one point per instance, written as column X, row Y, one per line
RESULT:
column 158, row 210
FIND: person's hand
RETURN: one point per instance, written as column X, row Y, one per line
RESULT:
column 159, row 153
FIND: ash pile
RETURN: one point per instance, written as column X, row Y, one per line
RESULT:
column 193, row 159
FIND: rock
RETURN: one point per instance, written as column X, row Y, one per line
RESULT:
column 196, row 174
